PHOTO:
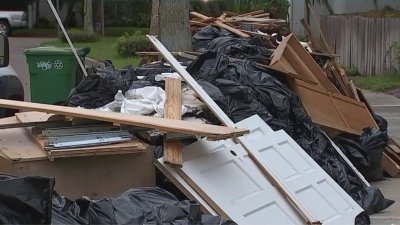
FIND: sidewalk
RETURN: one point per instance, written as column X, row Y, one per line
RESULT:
column 388, row 107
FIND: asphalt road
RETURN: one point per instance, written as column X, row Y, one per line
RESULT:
column 18, row 59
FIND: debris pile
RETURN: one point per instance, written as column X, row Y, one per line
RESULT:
column 298, row 143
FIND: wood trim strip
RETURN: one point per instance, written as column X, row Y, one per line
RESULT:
column 165, row 125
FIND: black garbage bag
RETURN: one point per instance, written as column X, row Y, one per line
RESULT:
column 99, row 88
column 243, row 80
column 25, row 200
column 135, row 206
column 240, row 48
column 365, row 151
column 205, row 35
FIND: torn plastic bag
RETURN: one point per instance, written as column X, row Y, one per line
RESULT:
column 100, row 87
column 365, row 151
column 135, row 206
column 244, row 80
column 25, row 200
column 205, row 35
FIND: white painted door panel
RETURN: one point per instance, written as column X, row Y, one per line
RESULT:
column 314, row 188
column 239, row 189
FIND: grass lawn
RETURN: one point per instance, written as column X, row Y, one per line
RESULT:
column 101, row 50
column 377, row 83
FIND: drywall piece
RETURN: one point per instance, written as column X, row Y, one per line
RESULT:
column 164, row 125
column 333, row 110
column 290, row 56
column 314, row 188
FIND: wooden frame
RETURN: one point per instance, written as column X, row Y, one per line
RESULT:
column 333, row 110
column 290, row 56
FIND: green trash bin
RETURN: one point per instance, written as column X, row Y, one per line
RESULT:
column 53, row 72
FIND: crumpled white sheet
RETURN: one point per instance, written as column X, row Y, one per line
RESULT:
column 151, row 99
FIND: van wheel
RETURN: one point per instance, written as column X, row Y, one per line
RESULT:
column 10, row 88
column 5, row 27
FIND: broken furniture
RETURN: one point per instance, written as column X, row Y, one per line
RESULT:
column 332, row 110
column 267, row 158
column 89, row 175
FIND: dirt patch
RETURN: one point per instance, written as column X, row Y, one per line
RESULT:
column 394, row 92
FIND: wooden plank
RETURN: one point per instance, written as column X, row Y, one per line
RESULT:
column 200, row 16
column 390, row 166
column 315, row 44
column 354, row 90
column 292, row 57
column 251, row 19
column 173, row 110
column 333, row 110
column 17, row 145
column 251, row 13
column 164, row 125
column 231, row 29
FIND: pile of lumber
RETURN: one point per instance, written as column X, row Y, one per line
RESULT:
column 243, row 25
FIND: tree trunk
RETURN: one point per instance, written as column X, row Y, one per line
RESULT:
column 174, row 25
column 88, row 20
column 155, row 22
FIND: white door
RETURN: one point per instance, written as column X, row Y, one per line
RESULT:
column 320, row 195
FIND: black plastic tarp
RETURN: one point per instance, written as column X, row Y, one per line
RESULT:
column 100, row 86
column 242, row 89
column 135, row 206
column 25, row 200
column 32, row 200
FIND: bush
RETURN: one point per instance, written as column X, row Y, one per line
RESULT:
column 80, row 36
column 128, row 45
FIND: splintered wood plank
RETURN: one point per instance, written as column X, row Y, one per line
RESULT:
column 173, row 110
column 333, row 110
column 292, row 57
column 164, row 125
column 231, row 29
column 389, row 165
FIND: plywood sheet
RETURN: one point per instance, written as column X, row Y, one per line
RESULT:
column 333, row 110
column 291, row 56
column 165, row 125
column 17, row 145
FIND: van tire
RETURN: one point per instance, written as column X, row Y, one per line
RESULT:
column 5, row 25
column 10, row 88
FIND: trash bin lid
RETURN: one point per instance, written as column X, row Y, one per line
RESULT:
column 53, row 50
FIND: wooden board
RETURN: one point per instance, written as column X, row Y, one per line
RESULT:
column 164, row 125
column 389, row 165
column 173, row 110
column 292, row 57
column 333, row 110
column 17, row 145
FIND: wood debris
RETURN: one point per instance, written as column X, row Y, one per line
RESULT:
column 243, row 25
